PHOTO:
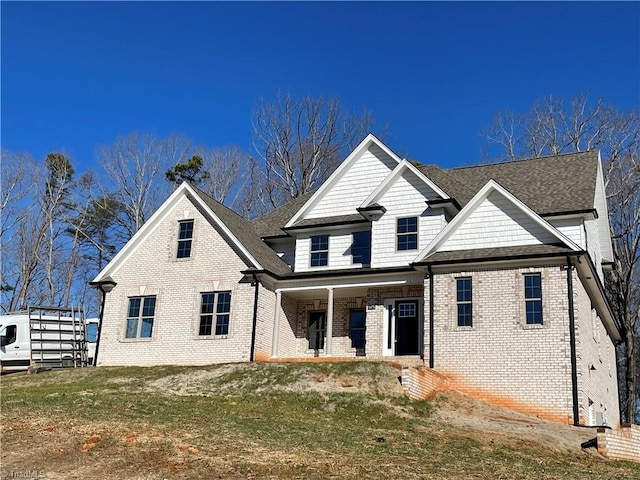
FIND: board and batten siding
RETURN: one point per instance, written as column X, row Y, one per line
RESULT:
column 405, row 198
column 497, row 222
column 355, row 185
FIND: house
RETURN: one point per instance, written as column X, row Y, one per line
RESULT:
column 490, row 276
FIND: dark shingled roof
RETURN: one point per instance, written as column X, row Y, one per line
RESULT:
column 547, row 185
column 243, row 230
column 270, row 224
column 480, row 254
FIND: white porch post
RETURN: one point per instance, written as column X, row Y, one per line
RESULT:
column 276, row 325
column 327, row 349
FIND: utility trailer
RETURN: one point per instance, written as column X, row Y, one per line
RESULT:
column 42, row 338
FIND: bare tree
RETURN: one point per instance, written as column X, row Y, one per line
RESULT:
column 135, row 165
column 550, row 128
column 302, row 141
column 223, row 166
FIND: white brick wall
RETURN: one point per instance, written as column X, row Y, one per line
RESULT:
column 154, row 270
column 526, row 367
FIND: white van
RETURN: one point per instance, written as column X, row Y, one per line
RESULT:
column 42, row 338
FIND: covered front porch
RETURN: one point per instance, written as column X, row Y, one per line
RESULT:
column 350, row 318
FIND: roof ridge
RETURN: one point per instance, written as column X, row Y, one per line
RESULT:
column 521, row 160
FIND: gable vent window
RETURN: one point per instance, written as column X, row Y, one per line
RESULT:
column 214, row 313
column 407, row 231
column 533, row 298
column 463, row 298
column 319, row 250
column 140, row 317
column 361, row 248
column 185, row 237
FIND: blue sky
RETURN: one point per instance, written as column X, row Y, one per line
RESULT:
column 76, row 75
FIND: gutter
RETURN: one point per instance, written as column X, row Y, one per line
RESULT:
column 572, row 343
column 254, row 322
column 431, row 321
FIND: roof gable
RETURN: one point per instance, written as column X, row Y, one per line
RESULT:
column 237, row 230
column 337, row 195
column 404, row 168
column 495, row 218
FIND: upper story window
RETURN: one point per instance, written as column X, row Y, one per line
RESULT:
column 185, row 237
column 140, row 317
column 361, row 247
column 319, row 250
column 533, row 298
column 463, row 299
column 214, row 311
column 407, row 233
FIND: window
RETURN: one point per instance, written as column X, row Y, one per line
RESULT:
column 319, row 250
column 9, row 335
column 406, row 310
column 463, row 298
column 140, row 317
column 185, row 237
column 533, row 298
column 407, row 231
column 316, row 332
column 357, row 327
column 215, row 305
column 361, row 248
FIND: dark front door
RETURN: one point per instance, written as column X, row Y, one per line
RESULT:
column 407, row 328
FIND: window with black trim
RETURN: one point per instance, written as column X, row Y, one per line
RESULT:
column 140, row 317
column 317, row 329
column 361, row 247
column 463, row 300
column 407, row 233
column 214, row 313
column 357, row 327
column 185, row 237
column 533, row 298
column 319, row 250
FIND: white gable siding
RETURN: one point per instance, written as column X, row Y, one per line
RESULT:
column 355, row 185
column 602, row 222
column 572, row 228
column 152, row 269
column 339, row 249
column 593, row 245
column 497, row 222
column 405, row 198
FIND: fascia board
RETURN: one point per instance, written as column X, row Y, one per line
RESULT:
column 142, row 234
column 224, row 228
column 337, row 174
column 484, row 192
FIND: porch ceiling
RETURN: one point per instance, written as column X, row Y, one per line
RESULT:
column 323, row 293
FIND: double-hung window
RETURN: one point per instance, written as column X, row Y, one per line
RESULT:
column 361, row 247
column 140, row 317
column 319, row 250
column 463, row 299
column 533, row 298
column 214, row 313
column 407, row 233
column 185, row 237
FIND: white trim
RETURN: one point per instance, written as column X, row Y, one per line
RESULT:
column 344, row 285
column 339, row 172
column 156, row 219
column 474, row 203
column 403, row 166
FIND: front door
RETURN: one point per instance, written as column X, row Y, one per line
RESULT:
column 407, row 328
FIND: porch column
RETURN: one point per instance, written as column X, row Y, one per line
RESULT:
column 327, row 349
column 276, row 325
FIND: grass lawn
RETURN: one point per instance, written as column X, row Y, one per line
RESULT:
column 260, row 421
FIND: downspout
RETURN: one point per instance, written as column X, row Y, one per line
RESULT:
column 254, row 324
column 572, row 343
column 431, row 310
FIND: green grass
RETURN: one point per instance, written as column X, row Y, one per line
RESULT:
column 260, row 421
